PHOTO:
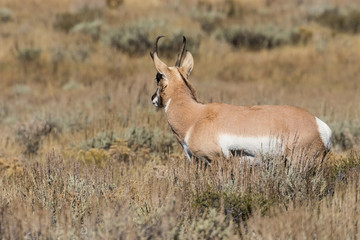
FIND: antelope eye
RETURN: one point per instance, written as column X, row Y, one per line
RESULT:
column 159, row 76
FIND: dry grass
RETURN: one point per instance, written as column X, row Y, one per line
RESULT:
column 140, row 196
column 84, row 155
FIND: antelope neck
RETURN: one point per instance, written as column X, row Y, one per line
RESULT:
column 182, row 114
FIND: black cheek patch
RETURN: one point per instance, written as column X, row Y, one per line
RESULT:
column 160, row 101
column 158, row 77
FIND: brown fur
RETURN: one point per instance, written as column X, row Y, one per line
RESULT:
column 204, row 122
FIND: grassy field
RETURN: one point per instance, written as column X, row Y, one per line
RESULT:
column 85, row 155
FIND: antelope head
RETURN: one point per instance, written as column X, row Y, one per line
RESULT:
column 172, row 80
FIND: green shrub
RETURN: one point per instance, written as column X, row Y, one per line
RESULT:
column 341, row 167
column 31, row 135
column 343, row 21
column 66, row 21
column 267, row 37
column 210, row 226
column 239, row 207
column 209, row 21
column 138, row 39
column 89, row 28
column 154, row 139
column 133, row 40
column 103, row 140
column 100, row 157
column 6, row 15
column 345, row 135
column 28, row 54
column 230, row 8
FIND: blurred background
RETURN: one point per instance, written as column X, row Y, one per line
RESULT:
column 76, row 81
column 74, row 64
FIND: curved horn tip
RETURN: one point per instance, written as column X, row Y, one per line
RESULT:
column 181, row 53
column 156, row 43
column 158, row 37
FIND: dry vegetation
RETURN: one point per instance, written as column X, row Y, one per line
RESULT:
column 84, row 154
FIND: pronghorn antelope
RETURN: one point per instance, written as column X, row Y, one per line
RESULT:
column 208, row 131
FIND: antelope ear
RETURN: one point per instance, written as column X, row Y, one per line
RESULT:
column 160, row 66
column 188, row 64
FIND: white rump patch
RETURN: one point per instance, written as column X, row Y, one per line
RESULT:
column 325, row 133
column 167, row 105
column 249, row 145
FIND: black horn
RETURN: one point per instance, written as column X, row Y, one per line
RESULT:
column 155, row 47
column 181, row 53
